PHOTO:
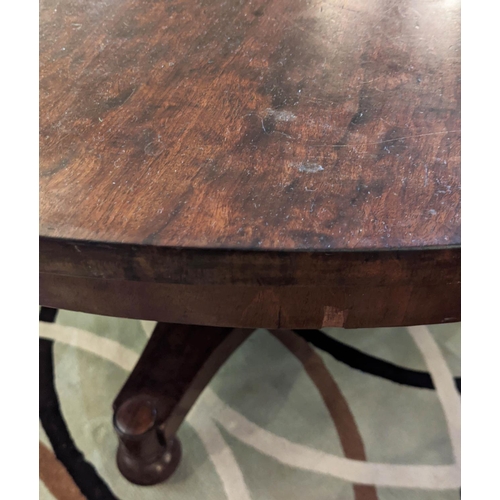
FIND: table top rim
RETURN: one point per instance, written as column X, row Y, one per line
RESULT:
column 116, row 245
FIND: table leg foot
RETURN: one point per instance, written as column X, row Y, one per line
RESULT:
column 174, row 368
column 150, row 473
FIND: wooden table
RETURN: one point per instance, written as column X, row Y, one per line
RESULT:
column 233, row 165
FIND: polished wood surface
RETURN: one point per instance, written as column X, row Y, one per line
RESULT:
column 254, row 289
column 268, row 163
column 288, row 306
column 283, row 125
column 308, row 147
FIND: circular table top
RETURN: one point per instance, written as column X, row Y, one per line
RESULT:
column 304, row 125
column 251, row 144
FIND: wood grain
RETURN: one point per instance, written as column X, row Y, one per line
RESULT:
column 304, row 125
column 206, row 151
column 361, row 306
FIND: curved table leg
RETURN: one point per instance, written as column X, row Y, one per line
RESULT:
column 174, row 368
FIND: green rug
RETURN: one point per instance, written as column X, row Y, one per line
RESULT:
column 375, row 416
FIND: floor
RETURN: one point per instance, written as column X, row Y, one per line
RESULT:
column 331, row 414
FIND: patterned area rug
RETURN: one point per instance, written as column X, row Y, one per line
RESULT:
column 330, row 414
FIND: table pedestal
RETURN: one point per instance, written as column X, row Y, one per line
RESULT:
column 174, row 368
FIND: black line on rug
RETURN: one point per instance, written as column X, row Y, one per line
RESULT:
column 369, row 364
column 85, row 476
column 47, row 314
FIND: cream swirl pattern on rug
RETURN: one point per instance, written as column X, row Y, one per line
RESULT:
column 283, row 419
